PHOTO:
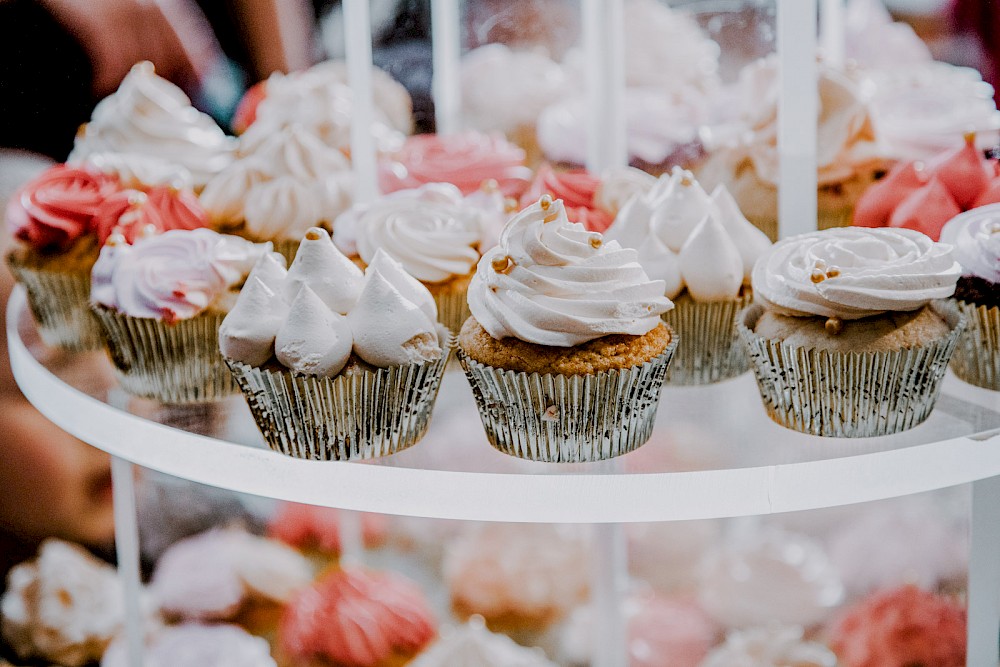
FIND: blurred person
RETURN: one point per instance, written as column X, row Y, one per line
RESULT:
column 58, row 58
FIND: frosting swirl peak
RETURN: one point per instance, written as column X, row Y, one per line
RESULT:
column 975, row 236
column 854, row 272
column 552, row 282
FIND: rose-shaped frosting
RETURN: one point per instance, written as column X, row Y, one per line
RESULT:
column 434, row 241
column 504, row 89
column 56, row 209
column 552, row 282
column 464, row 160
column 64, row 606
column 149, row 115
column 356, row 618
column 853, row 272
column 578, row 191
column 173, row 276
column 975, row 236
column 472, row 644
column 902, row 626
column 196, row 644
column 773, row 646
column 133, row 213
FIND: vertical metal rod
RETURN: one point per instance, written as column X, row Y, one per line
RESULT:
column 984, row 574
column 604, row 49
column 798, row 111
column 127, row 547
column 352, row 543
column 831, row 31
column 358, row 40
column 447, row 51
column 610, row 575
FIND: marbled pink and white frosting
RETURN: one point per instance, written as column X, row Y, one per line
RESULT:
column 173, row 276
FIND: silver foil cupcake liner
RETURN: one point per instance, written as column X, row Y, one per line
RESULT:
column 453, row 309
column 171, row 363
column 849, row 395
column 60, row 304
column 977, row 357
column 362, row 415
column 568, row 418
column 709, row 349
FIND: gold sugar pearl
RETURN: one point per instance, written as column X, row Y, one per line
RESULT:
column 596, row 242
column 137, row 198
column 833, row 272
column 545, row 202
column 834, row 326
column 820, row 265
column 116, row 238
column 817, row 277
column 313, row 236
column 687, row 182
column 503, row 264
column 551, row 218
column 510, row 205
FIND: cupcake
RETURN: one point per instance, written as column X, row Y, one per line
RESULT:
column 161, row 301
column 849, row 156
column 704, row 249
column 336, row 364
column 60, row 221
column 975, row 237
column 506, row 90
column 566, row 335
column 137, row 171
column 228, row 575
column 150, row 116
column 282, row 185
column 661, row 632
column 320, row 99
column 196, row 644
column 315, row 531
column 434, row 232
column 355, row 618
column 51, row 220
column 521, row 578
column 924, row 196
column 770, row 646
column 466, row 160
column 769, row 576
column 846, row 338
column 900, row 627
column 65, row 606
column 473, row 644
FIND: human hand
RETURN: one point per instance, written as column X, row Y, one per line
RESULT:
column 173, row 34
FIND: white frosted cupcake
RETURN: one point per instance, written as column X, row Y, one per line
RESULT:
column 975, row 236
column 196, row 644
column 770, row 646
column 704, row 250
column 336, row 363
column 473, row 644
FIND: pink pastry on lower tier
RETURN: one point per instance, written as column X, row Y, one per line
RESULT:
column 316, row 530
column 901, row 627
column 465, row 160
column 924, row 196
column 355, row 618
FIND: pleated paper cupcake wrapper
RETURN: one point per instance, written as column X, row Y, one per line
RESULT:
column 849, row 395
column 453, row 309
column 60, row 304
column 172, row 363
column 977, row 357
column 362, row 415
column 709, row 349
column 568, row 418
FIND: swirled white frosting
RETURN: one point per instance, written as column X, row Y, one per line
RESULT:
column 769, row 576
column 770, row 646
column 472, row 644
column 139, row 171
column 149, row 115
column 175, row 275
column 503, row 89
column 196, row 644
column 975, row 236
column 320, row 100
column 854, row 272
column 433, row 240
column 64, row 606
column 554, row 283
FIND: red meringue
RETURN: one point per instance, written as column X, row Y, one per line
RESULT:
column 878, row 201
column 311, row 528
column 926, row 210
column 577, row 188
column 246, row 110
column 962, row 172
column 134, row 213
column 991, row 195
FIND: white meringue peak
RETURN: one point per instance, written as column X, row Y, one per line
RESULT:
column 750, row 241
column 248, row 332
column 710, row 262
column 313, row 340
column 411, row 288
column 335, row 279
column 679, row 210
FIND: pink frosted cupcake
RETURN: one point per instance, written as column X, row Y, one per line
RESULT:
column 901, row 627
column 355, row 618
column 579, row 190
column 315, row 531
column 465, row 160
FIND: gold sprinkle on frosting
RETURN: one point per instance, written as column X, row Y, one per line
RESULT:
column 313, row 236
column 833, row 272
column 551, row 218
column 545, row 202
column 503, row 264
column 596, row 242
column 834, row 326
column 817, row 277
column 510, row 205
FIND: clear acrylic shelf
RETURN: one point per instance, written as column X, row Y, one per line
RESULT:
column 714, row 452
